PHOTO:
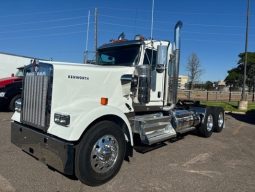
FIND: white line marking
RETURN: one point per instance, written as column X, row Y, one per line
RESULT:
column 199, row 158
column 210, row 174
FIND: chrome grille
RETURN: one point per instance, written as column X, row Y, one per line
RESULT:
column 35, row 101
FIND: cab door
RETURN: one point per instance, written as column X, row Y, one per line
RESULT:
column 157, row 78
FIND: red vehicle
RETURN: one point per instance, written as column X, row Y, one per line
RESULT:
column 10, row 90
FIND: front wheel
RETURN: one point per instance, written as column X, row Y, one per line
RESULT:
column 11, row 106
column 100, row 153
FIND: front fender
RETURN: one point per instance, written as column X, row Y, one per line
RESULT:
column 94, row 115
column 80, row 121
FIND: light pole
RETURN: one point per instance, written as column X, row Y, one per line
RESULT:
column 253, row 89
column 243, row 104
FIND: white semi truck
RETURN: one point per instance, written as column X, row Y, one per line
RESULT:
column 84, row 119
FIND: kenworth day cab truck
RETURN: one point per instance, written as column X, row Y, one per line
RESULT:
column 85, row 119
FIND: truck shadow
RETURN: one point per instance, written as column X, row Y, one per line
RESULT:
column 72, row 177
column 3, row 110
column 249, row 117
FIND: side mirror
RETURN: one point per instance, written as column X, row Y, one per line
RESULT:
column 161, row 58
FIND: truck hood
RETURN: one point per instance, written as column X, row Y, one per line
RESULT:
column 8, row 80
column 75, row 84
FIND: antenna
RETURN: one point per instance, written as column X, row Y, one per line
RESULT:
column 152, row 21
column 95, row 32
column 87, row 40
column 152, row 18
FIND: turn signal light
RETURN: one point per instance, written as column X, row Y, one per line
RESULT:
column 104, row 101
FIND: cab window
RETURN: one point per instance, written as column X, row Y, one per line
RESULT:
column 150, row 58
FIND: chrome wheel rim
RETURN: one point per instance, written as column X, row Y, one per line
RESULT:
column 209, row 126
column 104, row 154
column 220, row 119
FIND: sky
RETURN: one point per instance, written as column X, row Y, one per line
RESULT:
column 56, row 29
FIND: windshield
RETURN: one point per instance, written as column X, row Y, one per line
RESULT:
column 19, row 73
column 124, row 56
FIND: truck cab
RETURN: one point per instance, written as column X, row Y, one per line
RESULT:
column 140, row 55
column 85, row 119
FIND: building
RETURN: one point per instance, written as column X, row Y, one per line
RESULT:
column 182, row 81
column 222, row 86
column 10, row 62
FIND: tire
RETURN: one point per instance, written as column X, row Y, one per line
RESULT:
column 207, row 126
column 93, row 150
column 11, row 106
column 219, row 119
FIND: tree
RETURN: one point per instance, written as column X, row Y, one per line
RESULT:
column 250, row 67
column 234, row 78
column 208, row 85
column 235, row 75
column 194, row 69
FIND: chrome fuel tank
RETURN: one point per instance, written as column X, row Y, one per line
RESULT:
column 182, row 119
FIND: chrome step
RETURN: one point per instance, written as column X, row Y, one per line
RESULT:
column 153, row 128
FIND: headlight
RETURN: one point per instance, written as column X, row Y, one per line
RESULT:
column 2, row 94
column 18, row 105
column 62, row 119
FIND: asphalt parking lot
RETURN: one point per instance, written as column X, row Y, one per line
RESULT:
column 223, row 162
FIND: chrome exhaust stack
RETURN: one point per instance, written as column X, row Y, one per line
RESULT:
column 177, row 42
column 174, row 66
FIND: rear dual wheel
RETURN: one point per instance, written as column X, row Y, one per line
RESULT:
column 206, row 127
column 213, row 121
column 219, row 119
